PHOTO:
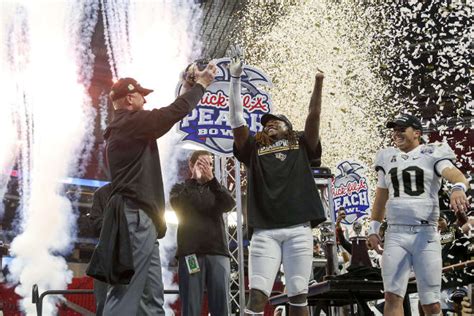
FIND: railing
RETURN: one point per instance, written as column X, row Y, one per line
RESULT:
column 38, row 299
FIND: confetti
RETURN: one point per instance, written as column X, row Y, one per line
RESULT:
column 379, row 59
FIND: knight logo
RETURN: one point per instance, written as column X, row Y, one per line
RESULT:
column 350, row 190
column 208, row 124
column 280, row 156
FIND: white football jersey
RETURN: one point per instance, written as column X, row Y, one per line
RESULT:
column 413, row 182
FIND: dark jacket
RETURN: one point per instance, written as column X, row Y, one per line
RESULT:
column 133, row 156
column 199, row 208
column 99, row 203
column 112, row 260
column 134, row 163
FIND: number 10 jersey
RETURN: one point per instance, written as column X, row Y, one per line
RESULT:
column 413, row 181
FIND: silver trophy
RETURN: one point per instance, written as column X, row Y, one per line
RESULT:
column 357, row 227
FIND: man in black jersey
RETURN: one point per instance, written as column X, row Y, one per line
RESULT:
column 283, row 201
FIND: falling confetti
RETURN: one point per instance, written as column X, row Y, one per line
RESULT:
column 379, row 59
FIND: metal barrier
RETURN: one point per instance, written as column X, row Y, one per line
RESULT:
column 38, row 299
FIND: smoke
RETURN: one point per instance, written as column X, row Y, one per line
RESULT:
column 8, row 146
column 8, row 140
column 153, row 41
column 9, row 77
column 47, row 104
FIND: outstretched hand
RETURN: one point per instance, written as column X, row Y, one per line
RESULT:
column 206, row 76
column 193, row 75
column 459, row 201
column 341, row 215
column 374, row 242
column 236, row 55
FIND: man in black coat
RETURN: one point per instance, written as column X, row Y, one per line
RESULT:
column 127, row 256
column 203, row 252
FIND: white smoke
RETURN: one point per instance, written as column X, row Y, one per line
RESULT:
column 8, row 140
column 8, row 129
column 9, row 78
column 48, row 104
column 153, row 41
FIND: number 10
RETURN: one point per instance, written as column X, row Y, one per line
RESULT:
column 406, row 178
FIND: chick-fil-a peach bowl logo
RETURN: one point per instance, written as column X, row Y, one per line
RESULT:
column 208, row 124
column 350, row 190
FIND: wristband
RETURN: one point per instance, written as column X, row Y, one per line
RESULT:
column 374, row 227
column 459, row 186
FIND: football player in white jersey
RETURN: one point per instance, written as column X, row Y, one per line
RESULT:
column 409, row 178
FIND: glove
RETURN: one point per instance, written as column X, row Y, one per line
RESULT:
column 236, row 55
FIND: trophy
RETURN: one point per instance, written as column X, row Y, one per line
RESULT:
column 357, row 227
column 360, row 256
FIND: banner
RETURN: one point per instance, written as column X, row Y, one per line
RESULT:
column 208, row 124
column 351, row 191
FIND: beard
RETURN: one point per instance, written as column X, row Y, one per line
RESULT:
column 264, row 139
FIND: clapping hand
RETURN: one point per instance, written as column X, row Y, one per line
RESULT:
column 204, row 168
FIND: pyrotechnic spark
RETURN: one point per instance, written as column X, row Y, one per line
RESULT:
column 47, row 102
column 82, row 26
column 8, row 127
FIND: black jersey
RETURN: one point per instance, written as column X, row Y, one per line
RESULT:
column 281, row 190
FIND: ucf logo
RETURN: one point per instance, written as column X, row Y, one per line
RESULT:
column 280, row 156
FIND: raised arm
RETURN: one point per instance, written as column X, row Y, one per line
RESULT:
column 311, row 128
column 236, row 109
column 157, row 122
